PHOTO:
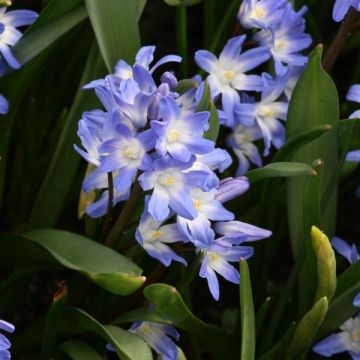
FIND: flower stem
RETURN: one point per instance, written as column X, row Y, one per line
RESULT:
column 339, row 41
column 108, row 217
column 181, row 38
column 118, row 228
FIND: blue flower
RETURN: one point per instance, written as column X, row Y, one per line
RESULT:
column 267, row 112
column 9, row 35
column 158, row 337
column 218, row 253
column 241, row 143
column 153, row 237
column 4, row 105
column 127, row 153
column 344, row 249
column 218, row 159
column 286, row 40
column 4, row 341
column 230, row 188
column 353, row 156
column 198, row 230
column 227, row 74
column 261, row 13
column 181, row 135
column 346, row 340
column 354, row 95
column 171, row 186
column 341, row 8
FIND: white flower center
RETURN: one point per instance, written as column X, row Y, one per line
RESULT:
column 279, row 44
column 132, row 152
column 228, row 76
column 166, row 179
column 197, row 204
column 173, row 135
column 265, row 111
column 240, row 138
column 258, row 12
column 144, row 329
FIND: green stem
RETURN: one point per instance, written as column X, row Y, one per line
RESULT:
column 181, row 39
column 190, row 274
column 108, row 217
column 209, row 21
column 118, row 228
column 340, row 39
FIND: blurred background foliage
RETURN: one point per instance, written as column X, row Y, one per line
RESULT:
column 41, row 175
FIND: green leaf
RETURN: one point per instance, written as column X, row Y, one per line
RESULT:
column 127, row 345
column 78, row 350
column 65, row 161
column 326, row 264
column 143, row 314
column 116, row 30
column 248, row 331
column 307, row 328
column 104, row 266
column 282, row 169
column 170, row 305
column 37, row 41
column 205, row 99
column 53, row 318
column 314, row 103
column 214, row 124
column 182, row 2
column 289, row 149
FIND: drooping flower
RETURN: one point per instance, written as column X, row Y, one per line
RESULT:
column 153, row 237
column 4, row 341
column 286, row 40
column 341, row 8
column 241, row 142
column 227, row 73
column 218, row 253
column 261, row 14
column 267, row 112
column 9, row 35
column 158, row 336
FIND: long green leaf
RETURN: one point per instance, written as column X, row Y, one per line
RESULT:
column 78, row 350
column 282, row 169
column 128, row 346
column 248, row 331
column 116, row 30
column 37, row 41
column 314, row 103
column 289, row 149
column 104, row 266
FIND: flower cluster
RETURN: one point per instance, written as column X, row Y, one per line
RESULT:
column 279, row 34
column 9, row 36
column 150, row 134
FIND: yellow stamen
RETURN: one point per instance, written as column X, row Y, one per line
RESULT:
column 197, row 204
column 156, row 234
column 259, row 12
column 229, row 75
column 173, row 135
column 145, row 329
column 214, row 257
column 280, row 44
